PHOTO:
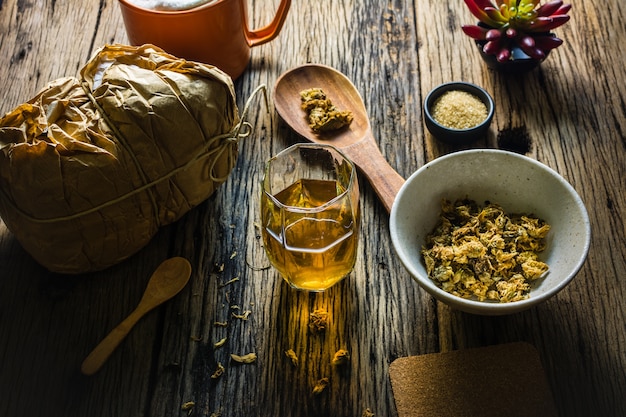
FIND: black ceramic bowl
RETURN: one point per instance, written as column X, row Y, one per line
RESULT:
column 457, row 136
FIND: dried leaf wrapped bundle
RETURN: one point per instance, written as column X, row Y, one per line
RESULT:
column 90, row 168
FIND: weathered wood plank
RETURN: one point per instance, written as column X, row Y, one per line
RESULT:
column 572, row 107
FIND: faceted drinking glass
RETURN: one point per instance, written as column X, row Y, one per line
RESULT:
column 310, row 215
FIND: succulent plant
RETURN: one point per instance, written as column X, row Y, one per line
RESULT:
column 523, row 23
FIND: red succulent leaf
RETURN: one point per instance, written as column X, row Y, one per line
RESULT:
column 476, row 7
column 491, row 47
column 493, row 34
column 495, row 15
column 547, row 42
column 504, row 55
column 475, row 32
column 533, row 51
column 484, row 3
column 549, row 8
column 545, row 24
column 527, row 42
column 539, row 54
column 563, row 9
column 511, row 33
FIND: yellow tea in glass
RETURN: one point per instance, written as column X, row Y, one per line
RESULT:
column 310, row 215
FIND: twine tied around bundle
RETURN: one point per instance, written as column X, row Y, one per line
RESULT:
column 229, row 141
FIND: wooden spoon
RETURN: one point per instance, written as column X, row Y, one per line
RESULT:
column 356, row 141
column 166, row 281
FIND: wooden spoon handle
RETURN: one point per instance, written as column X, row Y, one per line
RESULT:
column 383, row 178
column 105, row 348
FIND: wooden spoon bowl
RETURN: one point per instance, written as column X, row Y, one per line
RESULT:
column 356, row 141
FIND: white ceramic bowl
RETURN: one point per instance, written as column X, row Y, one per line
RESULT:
column 520, row 185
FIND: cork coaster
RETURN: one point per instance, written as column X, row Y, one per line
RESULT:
column 502, row 380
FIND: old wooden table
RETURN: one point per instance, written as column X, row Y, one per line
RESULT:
column 573, row 107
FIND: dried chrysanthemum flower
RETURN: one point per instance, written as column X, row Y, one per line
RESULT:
column 341, row 357
column 317, row 320
column 220, row 343
column 218, row 372
column 368, row 413
column 323, row 116
column 188, row 407
column 320, row 386
column 292, row 356
column 484, row 253
column 249, row 358
column 514, row 289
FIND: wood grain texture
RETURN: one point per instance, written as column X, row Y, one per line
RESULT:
column 573, row 108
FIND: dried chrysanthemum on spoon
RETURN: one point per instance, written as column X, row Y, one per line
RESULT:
column 322, row 114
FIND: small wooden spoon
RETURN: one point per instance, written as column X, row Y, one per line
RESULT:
column 356, row 140
column 166, row 281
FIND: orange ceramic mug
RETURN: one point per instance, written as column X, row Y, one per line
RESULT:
column 215, row 33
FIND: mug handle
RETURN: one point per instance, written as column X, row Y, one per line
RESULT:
column 269, row 32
